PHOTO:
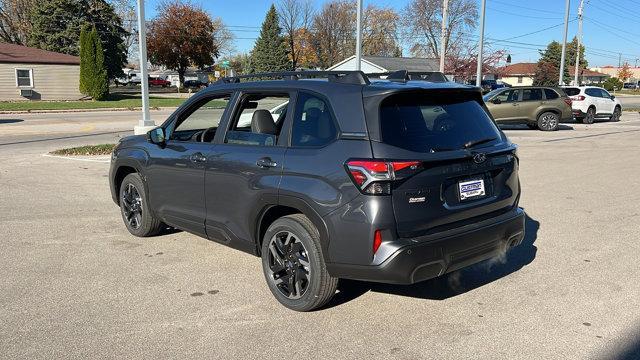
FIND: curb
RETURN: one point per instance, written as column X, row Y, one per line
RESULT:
column 82, row 110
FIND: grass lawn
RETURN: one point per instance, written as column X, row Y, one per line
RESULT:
column 102, row 149
column 626, row 92
column 114, row 101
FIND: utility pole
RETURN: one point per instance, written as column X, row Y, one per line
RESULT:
column 145, row 124
column 579, row 37
column 481, row 44
column 359, row 35
column 619, row 60
column 443, row 38
column 564, row 42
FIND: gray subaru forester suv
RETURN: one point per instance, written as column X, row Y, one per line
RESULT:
column 329, row 175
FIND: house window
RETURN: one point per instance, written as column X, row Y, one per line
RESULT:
column 24, row 77
column 519, row 79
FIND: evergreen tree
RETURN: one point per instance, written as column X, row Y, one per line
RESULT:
column 85, row 62
column 93, row 74
column 57, row 24
column 548, row 69
column 270, row 51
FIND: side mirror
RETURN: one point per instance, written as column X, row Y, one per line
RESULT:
column 613, row 97
column 496, row 101
column 156, row 136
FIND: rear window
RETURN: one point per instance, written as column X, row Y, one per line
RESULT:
column 550, row 94
column 437, row 122
column 572, row 91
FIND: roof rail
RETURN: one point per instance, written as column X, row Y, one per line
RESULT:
column 344, row 77
column 404, row 76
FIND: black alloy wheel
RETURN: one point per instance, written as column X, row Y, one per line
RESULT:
column 289, row 268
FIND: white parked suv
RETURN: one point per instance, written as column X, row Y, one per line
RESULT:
column 590, row 103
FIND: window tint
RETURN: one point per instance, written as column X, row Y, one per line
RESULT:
column 593, row 92
column 23, row 77
column 437, row 122
column 550, row 94
column 313, row 123
column 258, row 120
column 605, row 94
column 508, row 96
column 203, row 115
column 531, row 94
column 572, row 91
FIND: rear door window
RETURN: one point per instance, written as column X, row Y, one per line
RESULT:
column 437, row 122
column 531, row 94
column 313, row 123
column 593, row 92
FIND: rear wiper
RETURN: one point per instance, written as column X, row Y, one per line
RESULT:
column 473, row 143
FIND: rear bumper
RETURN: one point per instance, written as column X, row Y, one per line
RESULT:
column 578, row 113
column 424, row 258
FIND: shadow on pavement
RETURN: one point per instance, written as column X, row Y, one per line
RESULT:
column 525, row 127
column 10, row 121
column 455, row 283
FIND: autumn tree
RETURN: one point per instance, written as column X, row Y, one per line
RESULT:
column 305, row 49
column 15, row 24
column 422, row 21
column 624, row 73
column 380, row 35
column 56, row 26
column 182, row 35
column 334, row 32
column 270, row 50
column 295, row 18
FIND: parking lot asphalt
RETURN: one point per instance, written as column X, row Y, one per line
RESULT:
column 75, row 284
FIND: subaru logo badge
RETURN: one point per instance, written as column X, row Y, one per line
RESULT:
column 479, row 158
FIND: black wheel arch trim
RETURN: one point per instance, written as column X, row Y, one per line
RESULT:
column 304, row 208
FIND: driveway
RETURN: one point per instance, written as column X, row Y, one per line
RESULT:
column 75, row 284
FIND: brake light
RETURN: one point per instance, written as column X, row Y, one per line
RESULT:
column 374, row 177
column 377, row 241
column 578, row 98
column 568, row 101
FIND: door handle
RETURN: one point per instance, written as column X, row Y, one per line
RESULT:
column 266, row 162
column 197, row 158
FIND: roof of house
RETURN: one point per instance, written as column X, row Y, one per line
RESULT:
column 518, row 69
column 12, row 53
column 528, row 69
column 397, row 63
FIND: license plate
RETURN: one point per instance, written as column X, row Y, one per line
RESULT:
column 471, row 189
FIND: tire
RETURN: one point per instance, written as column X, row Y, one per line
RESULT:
column 532, row 126
column 548, row 121
column 291, row 251
column 134, row 208
column 590, row 117
column 617, row 112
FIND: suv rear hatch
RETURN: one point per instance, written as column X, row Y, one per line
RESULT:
column 465, row 170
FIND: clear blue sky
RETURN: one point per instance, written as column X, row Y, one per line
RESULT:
column 610, row 26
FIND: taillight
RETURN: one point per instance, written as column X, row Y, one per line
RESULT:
column 567, row 101
column 374, row 177
column 578, row 98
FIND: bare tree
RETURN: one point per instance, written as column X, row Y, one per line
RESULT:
column 422, row 20
column 15, row 25
column 334, row 30
column 126, row 10
column 223, row 38
column 295, row 15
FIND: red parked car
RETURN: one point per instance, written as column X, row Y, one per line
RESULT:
column 159, row 82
